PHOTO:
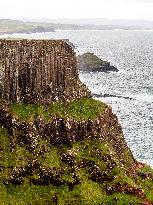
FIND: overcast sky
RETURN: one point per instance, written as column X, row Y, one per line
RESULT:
column 38, row 9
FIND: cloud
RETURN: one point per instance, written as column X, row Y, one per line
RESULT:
column 77, row 9
column 145, row 1
column 138, row 1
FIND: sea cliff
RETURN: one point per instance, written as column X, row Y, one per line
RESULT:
column 70, row 150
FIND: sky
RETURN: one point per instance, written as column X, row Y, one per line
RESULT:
column 57, row 9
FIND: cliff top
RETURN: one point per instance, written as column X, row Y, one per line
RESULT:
column 68, row 153
column 37, row 39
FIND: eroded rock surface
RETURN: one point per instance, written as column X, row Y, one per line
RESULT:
column 39, row 71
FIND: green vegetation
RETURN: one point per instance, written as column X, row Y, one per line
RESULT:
column 146, row 180
column 87, row 192
column 82, row 109
column 88, row 171
column 13, row 26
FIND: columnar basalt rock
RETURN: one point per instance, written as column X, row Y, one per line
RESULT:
column 39, row 71
column 66, row 152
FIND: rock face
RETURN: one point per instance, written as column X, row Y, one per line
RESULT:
column 90, row 62
column 70, row 151
column 39, row 71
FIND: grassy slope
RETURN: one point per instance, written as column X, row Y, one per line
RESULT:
column 79, row 110
column 86, row 156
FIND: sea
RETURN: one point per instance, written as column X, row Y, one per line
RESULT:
column 130, row 91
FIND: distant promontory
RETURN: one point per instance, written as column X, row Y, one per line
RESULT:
column 90, row 62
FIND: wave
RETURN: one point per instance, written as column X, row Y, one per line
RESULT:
column 110, row 95
column 140, row 97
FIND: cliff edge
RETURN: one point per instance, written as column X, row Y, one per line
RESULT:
column 39, row 71
column 69, row 151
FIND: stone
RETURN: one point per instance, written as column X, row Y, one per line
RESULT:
column 90, row 62
column 39, row 71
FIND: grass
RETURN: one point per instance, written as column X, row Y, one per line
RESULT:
column 86, row 193
column 147, row 184
column 6, row 159
column 82, row 109
column 122, row 199
column 25, row 194
column 99, row 152
column 52, row 158
column 26, row 112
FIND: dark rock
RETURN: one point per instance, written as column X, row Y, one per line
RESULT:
column 88, row 164
column 113, row 68
column 90, row 62
column 146, row 175
column 109, row 189
column 55, row 198
column 67, row 158
column 110, row 163
column 100, row 176
column 72, row 184
column 39, row 182
column 15, row 181
column 51, row 176
column 24, row 75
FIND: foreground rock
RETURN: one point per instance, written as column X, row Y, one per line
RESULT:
column 90, row 62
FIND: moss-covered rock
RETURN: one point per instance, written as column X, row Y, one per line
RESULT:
column 90, row 62
column 68, row 153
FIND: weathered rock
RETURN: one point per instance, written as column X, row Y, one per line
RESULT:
column 63, row 153
column 39, row 71
column 90, row 62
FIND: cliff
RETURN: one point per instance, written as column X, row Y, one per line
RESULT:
column 69, row 151
column 39, row 71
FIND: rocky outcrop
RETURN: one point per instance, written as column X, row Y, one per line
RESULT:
column 90, row 62
column 39, row 71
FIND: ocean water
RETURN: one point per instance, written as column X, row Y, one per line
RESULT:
column 132, row 53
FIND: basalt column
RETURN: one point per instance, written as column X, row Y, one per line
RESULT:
column 39, row 71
